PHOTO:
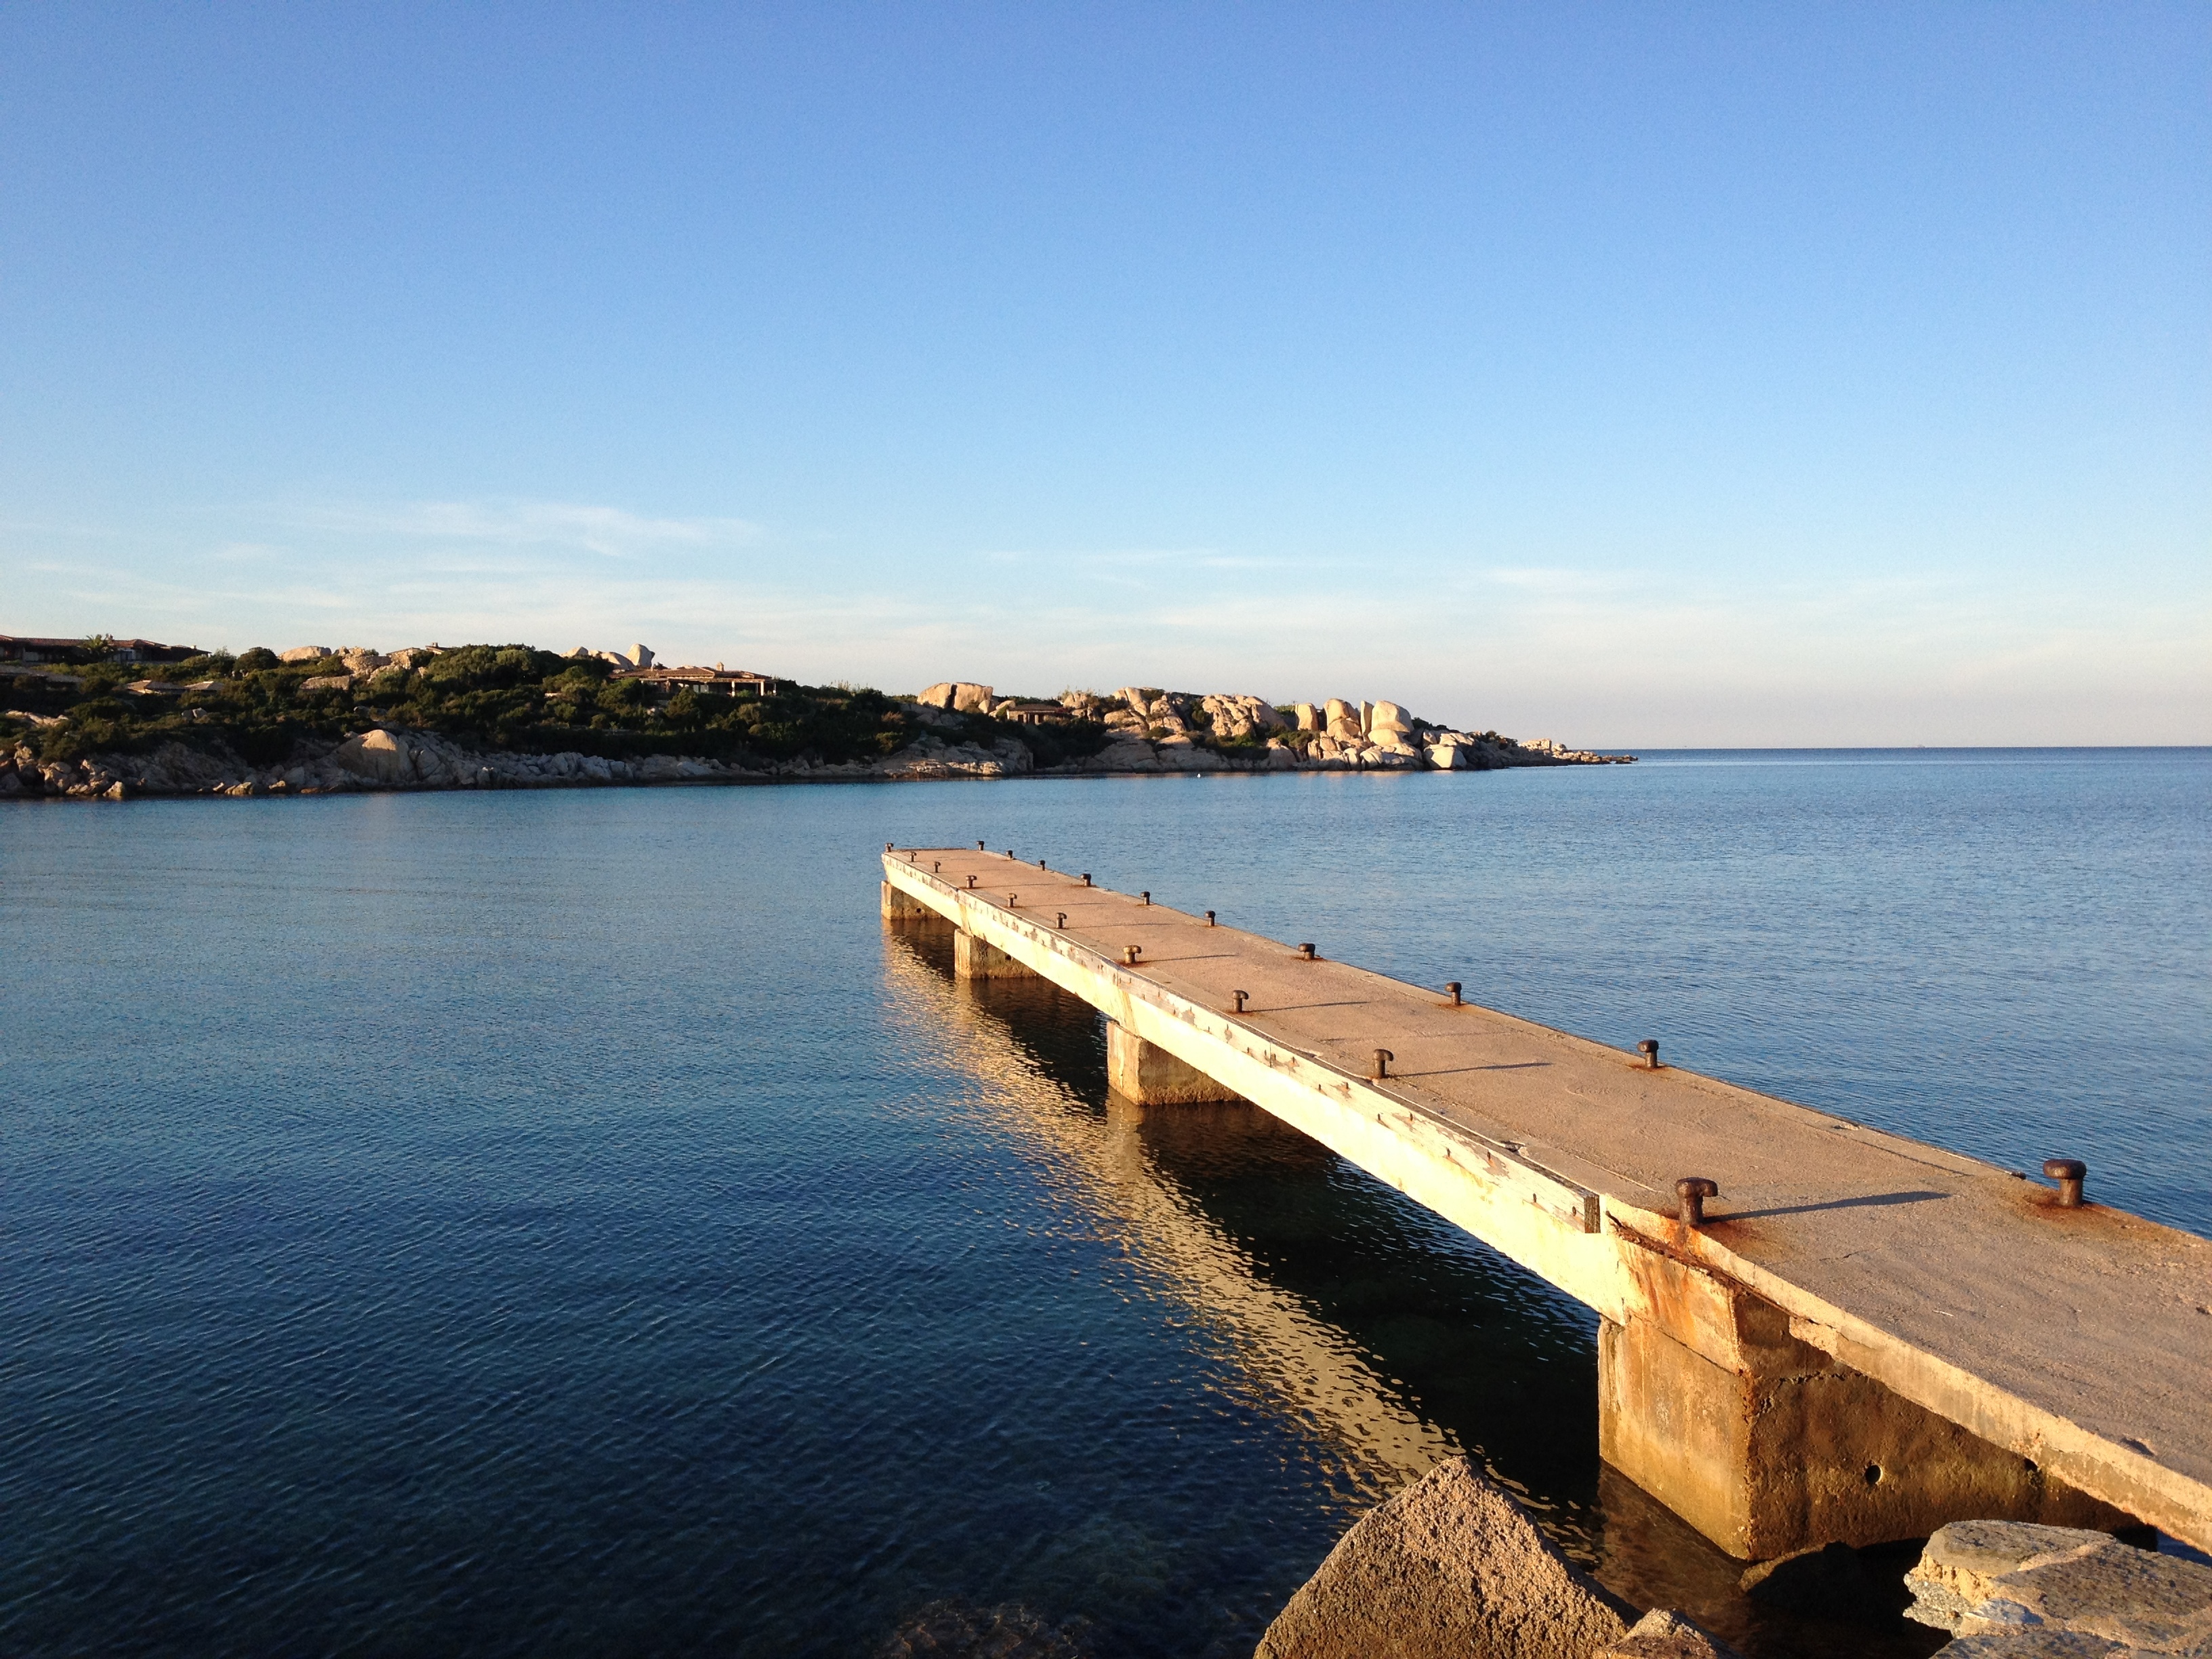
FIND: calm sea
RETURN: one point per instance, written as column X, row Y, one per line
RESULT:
column 565, row 1224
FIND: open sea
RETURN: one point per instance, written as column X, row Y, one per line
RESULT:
column 566, row 1223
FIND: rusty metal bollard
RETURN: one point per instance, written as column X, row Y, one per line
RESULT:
column 1062, row 923
column 1452, row 986
column 1145, row 897
column 1209, row 918
column 1086, row 880
column 1306, row 952
column 1692, row 1191
column 971, row 881
column 1383, row 1059
column 1130, row 953
column 1649, row 1049
column 2068, row 1173
column 1240, row 996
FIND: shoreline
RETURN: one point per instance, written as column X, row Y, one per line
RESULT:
column 386, row 760
column 516, row 717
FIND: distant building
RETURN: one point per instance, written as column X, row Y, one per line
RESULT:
column 24, row 648
column 715, row 682
column 1034, row 714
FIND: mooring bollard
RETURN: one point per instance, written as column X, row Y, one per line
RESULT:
column 1306, row 952
column 1013, row 901
column 1692, row 1191
column 2068, row 1173
column 888, row 847
column 1145, row 897
column 913, row 857
column 971, row 881
column 1130, row 953
column 1240, row 996
column 936, row 866
column 979, row 846
column 1452, row 986
column 1086, row 880
column 1209, row 918
column 1383, row 1059
column 1649, row 1049
column 1040, row 864
column 1062, row 923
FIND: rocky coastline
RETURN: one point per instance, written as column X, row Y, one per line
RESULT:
column 955, row 731
column 1452, row 1568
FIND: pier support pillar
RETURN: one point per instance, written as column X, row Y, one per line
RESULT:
column 974, row 959
column 1148, row 1074
column 1767, row 1445
column 903, row 909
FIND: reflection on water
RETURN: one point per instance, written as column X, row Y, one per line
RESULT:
column 1349, row 1314
column 509, row 1225
column 1132, row 1172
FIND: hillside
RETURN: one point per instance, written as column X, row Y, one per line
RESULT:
column 513, row 715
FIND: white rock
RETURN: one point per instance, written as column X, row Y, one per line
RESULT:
column 379, row 756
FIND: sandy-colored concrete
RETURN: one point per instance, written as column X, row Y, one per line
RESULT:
column 2078, row 1339
column 1148, row 1075
column 1793, row 1449
column 974, row 958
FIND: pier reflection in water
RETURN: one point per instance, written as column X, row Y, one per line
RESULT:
column 1380, row 1334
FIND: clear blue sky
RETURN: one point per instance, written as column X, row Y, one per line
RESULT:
column 1630, row 373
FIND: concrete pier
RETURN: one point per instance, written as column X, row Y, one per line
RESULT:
column 1865, row 1337
column 1151, row 1076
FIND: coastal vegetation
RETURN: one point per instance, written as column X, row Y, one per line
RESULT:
column 510, row 698
column 110, row 718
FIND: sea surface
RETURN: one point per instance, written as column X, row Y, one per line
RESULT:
column 566, row 1223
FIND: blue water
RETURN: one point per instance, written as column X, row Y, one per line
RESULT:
column 565, row 1223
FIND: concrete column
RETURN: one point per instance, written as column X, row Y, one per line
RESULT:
column 1139, row 1071
column 974, row 959
column 1766, row 1444
column 903, row 909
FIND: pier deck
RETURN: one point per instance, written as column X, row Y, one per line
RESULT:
column 2076, row 1343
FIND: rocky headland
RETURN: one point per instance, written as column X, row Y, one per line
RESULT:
column 316, row 721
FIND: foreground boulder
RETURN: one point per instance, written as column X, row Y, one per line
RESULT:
column 2010, row 1588
column 1448, row 1567
column 1662, row 1633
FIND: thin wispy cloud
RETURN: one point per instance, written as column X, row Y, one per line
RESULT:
column 611, row 532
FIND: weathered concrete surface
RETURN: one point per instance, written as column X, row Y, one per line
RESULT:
column 975, row 958
column 1662, row 1633
column 1450, row 1566
column 1142, row 1071
column 2073, row 1340
column 902, row 908
column 1787, row 1445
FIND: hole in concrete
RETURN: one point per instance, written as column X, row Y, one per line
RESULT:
column 1874, row 1474
column 2030, row 1461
